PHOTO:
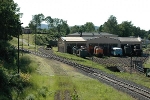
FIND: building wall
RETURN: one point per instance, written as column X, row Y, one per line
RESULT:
column 104, row 40
column 62, row 44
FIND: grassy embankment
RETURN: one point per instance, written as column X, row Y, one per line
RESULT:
column 52, row 80
column 135, row 77
column 138, row 78
column 25, row 41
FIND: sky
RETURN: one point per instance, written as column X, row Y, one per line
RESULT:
column 78, row 12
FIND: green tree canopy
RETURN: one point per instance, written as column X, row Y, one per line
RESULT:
column 89, row 27
column 111, row 25
column 9, row 20
column 126, row 29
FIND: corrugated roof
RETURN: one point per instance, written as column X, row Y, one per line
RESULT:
column 121, row 39
column 91, row 34
column 76, row 38
column 129, row 39
column 84, row 33
column 104, row 33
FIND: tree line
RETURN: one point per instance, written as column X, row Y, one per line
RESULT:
column 11, row 86
column 58, row 27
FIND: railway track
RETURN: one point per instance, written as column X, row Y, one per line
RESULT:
column 137, row 91
column 121, row 62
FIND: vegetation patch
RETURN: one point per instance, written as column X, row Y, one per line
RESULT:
column 135, row 77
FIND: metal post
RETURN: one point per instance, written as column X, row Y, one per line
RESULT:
column 131, row 64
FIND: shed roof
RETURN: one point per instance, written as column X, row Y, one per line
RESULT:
column 76, row 38
column 129, row 39
column 91, row 34
column 121, row 39
column 104, row 33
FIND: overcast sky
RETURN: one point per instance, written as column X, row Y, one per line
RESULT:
column 78, row 12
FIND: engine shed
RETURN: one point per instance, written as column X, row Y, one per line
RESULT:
column 104, row 40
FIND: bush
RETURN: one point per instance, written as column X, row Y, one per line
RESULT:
column 7, row 52
column 25, row 64
column 30, row 97
column 43, row 91
column 5, row 89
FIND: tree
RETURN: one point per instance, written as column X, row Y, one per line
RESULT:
column 58, row 26
column 89, row 27
column 111, row 25
column 126, row 29
column 10, row 26
column 65, row 28
column 32, row 26
column 74, row 29
column 100, row 28
column 49, row 21
column 9, row 19
column 37, row 20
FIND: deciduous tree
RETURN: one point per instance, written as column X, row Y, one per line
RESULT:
column 111, row 25
column 10, row 24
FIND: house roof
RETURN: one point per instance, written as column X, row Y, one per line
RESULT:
column 76, row 38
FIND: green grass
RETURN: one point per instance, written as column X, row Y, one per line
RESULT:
column 41, row 83
column 31, row 46
column 45, row 83
column 135, row 77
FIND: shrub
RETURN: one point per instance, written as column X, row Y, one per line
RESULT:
column 25, row 64
column 5, row 89
column 7, row 52
column 43, row 91
column 30, row 97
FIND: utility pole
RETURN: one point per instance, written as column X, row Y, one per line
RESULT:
column 18, row 44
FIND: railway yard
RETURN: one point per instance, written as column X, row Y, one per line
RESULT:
column 123, row 64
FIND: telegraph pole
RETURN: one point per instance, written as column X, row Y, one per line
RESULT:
column 18, row 44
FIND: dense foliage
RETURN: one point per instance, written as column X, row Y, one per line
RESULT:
column 125, row 29
column 9, row 19
column 10, row 26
